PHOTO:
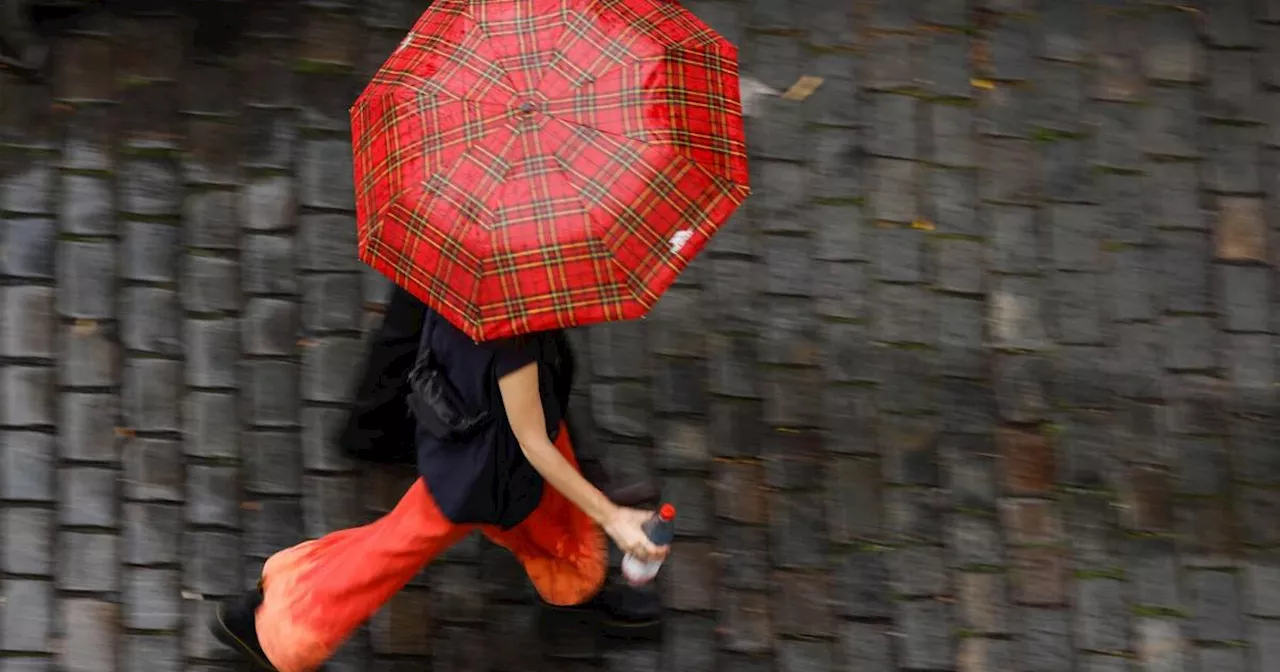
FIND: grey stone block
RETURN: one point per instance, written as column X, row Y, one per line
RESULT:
column 28, row 396
column 85, row 206
column 88, row 562
column 899, row 254
column 151, row 533
column 151, row 251
column 797, row 531
column 321, row 428
column 325, row 174
column 271, row 525
column 151, row 321
column 269, row 203
column 1015, row 241
column 1230, row 24
column 1234, row 159
column 1172, row 51
column 329, row 367
column 837, row 232
column 273, row 462
column 925, row 576
column 152, row 599
column 1173, row 197
column 891, row 62
column 1015, row 314
column 152, row 394
column 270, row 327
column 953, row 203
column 88, row 356
column 28, row 537
column 327, row 243
column 331, row 302
column 210, row 425
column 1190, row 344
column 926, row 631
column 780, row 195
column 210, row 284
column 268, row 265
column 1101, row 615
column 1006, row 111
column 153, row 470
column 212, row 563
column 1232, row 85
column 213, row 495
column 87, row 427
column 27, row 466
column 680, row 386
column 892, row 190
column 862, row 586
column 1185, row 264
column 1077, row 315
column 89, row 643
column 1215, row 606
column 87, row 496
column 332, row 503
column 211, row 219
column 1171, row 126
column 961, row 329
column 83, row 291
column 27, row 327
column 835, row 104
column 162, row 653
column 213, row 348
column 946, row 65
column 1243, row 295
column 26, row 623
column 835, row 163
column 1059, row 98
column 150, row 187
column 1119, row 129
column 1012, row 171
column 1045, row 639
column 892, row 126
column 953, row 139
column 1225, row 660
column 27, row 187
column 270, row 393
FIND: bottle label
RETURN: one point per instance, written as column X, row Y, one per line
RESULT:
column 639, row 572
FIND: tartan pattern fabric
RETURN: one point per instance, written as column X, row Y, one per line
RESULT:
column 523, row 165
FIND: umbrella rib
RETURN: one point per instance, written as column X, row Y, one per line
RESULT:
column 479, row 26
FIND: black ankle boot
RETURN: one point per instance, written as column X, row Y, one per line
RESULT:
column 618, row 611
column 234, row 625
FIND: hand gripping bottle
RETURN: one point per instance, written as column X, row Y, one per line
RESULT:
column 660, row 529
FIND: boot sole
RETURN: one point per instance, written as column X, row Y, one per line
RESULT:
column 633, row 630
column 223, row 634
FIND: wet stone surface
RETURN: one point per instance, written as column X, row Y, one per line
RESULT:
column 981, row 378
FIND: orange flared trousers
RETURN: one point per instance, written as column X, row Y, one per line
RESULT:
column 317, row 593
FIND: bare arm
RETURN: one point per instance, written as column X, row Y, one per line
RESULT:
column 524, row 411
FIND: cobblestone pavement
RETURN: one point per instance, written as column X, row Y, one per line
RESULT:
column 982, row 378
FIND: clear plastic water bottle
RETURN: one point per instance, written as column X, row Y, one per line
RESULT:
column 661, row 530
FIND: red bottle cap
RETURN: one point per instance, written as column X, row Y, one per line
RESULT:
column 667, row 513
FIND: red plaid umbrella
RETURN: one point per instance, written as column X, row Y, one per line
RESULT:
column 523, row 165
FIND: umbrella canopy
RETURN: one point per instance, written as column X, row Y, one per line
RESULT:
column 523, row 165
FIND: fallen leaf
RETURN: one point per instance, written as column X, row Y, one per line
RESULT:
column 803, row 88
column 125, row 433
column 251, row 506
column 84, row 328
column 922, row 225
column 982, row 84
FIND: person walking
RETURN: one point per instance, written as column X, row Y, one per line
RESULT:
column 494, row 455
column 517, row 183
